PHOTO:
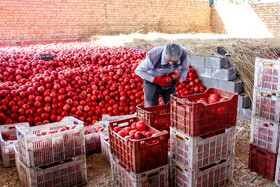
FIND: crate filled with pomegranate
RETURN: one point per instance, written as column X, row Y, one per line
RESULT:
column 266, row 105
column 8, row 139
column 50, row 143
column 197, row 152
column 69, row 172
column 217, row 174
column 267, row 74
column 157, row 116
column 262, row 161
column 265, row 134
column 204, row 113
column 124, row 177
column 137, row 145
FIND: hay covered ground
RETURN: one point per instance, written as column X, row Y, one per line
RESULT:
column 243, row 52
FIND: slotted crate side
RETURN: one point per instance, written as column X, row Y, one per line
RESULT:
column 70, row 172
column 262, row 161
column 35, row 151
column 7, row 146
column 92, row 140
column 196, row 152
column 139, row 155
column 196, row 119
column 154, row 177
column 157, row 116
column 265, row 134
column 277, row 171
column 105, row 146
column 214, row 175
column 266, row 105
column 267, row 74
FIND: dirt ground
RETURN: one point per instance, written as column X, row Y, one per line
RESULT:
column 98, row 169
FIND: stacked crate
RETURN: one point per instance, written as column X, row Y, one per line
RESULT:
column 138, row 162
column 52, row 154
column 202, row 139
column 265, row 119
column 8, row 139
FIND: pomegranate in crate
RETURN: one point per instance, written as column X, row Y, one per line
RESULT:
column 266, row 105
column 124, row 177
column 262, row 161
column 137, row 145
column 157, row 116
column 204, row 113
column 267, row 74
column 197, row 152
column 50, row 143
column 219, row 174
column 69, row 172
column 265, row 134
column 8, row 139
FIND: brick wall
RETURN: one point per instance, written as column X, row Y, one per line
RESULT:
column 217, row 25
column 54, row 20
column 269, row 13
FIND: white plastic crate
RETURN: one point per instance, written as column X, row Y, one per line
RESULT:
column 267, row 74
column 196, row 152
column 277, row 171
column 70, row 172
column 105, row 145
column 35, row 151
column 213, row 175
column 266, row 105
column 7, row 146
column 92, row 140
column 265, row 134
column 155, row 177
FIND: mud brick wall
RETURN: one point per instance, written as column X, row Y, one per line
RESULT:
column 269, row 13
column 56, row 20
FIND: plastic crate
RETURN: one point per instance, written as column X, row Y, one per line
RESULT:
column 213, row 175
column 266, row 105
column 35, row 151
column 157, row 116
column 139, row 155
column 7, row 146
column 265, row 134
column 152, row 178
column 277, row 171
column 70, row 172
column 267, row 74
column 92, row 140
column 262, row 161
column 196, row 119
column 105, row 145
column 194, row 153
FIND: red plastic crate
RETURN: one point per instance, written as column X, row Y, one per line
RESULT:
column 157, row 116
column 139, row 155
column 262, row 161
column 196, row 119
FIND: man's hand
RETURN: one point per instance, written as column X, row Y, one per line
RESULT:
column 159, row 80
